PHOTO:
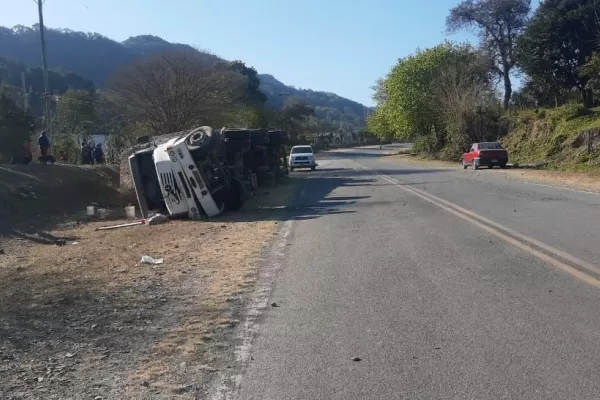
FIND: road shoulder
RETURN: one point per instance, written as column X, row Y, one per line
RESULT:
column 104, row 325
column 561, row 179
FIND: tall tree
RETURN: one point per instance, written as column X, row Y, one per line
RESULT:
column 410, row 106
column 559, row 40
column 173, row 91
column 255, row 96
column 16, row 126
column 498, row 23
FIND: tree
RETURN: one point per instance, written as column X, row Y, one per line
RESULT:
column 96, row 57
column 174, row 91
column 16, row 126
column 498, row 23
column 379, row 91
column 254, row 95
column 464, row 95
column 410, row 107
column 76, row 113
column 441, row 96
column 74, row 121
column 559, row 40
column 591, row 71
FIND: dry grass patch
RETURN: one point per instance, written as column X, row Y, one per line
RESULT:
column 86, row 318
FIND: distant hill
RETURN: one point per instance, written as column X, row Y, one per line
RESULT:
column 96, row 57
column 328, row 106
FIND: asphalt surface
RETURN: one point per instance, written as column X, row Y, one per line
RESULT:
column 436, row 304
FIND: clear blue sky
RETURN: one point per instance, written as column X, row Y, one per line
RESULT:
column 330, row 45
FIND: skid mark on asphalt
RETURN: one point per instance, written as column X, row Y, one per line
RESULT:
column 576, row 269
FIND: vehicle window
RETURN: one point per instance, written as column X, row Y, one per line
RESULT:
column 301, row 149
column 489, row 146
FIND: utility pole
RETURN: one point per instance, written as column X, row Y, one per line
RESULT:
column 46, row 125
column 284, row 95
column 25, row 94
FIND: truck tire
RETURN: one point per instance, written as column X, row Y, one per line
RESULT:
column 202, row 140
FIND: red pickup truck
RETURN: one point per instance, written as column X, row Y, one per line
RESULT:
column 485, row 154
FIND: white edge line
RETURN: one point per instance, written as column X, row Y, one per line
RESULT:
column 229, row 382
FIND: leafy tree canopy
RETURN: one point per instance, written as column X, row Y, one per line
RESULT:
column 498, row 23
column 558, row 41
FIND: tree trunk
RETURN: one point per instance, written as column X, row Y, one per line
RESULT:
column 588, row 98
column 507, row 88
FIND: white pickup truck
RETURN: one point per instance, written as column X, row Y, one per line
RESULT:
column 185, row 176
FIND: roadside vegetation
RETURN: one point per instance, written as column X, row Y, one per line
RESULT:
column 446, row 97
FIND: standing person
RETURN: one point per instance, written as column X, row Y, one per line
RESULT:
column 90, row 150
column 84, row 153
column 99, row 154
column 44, row 144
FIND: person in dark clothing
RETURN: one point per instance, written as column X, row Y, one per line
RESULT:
column 44, row 144
column 90, row 151
column 99, row 154
column 84, row 153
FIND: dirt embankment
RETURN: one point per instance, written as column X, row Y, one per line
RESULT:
column 82, row 317
column 40, row 195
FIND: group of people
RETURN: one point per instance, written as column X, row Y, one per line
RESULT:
column 90, row 154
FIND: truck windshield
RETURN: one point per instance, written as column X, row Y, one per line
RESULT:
column 301, row 150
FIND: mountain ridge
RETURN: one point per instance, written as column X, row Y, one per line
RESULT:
column 95, row 57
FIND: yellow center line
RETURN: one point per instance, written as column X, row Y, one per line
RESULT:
column 480, row 222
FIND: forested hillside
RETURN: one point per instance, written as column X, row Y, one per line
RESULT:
column 96, row 57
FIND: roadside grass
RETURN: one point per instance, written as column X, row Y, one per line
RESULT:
column 557, row 136
column 85, row 318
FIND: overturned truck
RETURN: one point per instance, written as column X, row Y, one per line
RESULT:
column 201, row 172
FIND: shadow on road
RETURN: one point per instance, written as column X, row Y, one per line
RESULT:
column 309, row 201
column 312, row 194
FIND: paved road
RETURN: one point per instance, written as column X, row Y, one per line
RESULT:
column 448, row 284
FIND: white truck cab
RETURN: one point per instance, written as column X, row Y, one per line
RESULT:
column 185, row 176
column 177, row 196
column 187, row 169
column 302, row 156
